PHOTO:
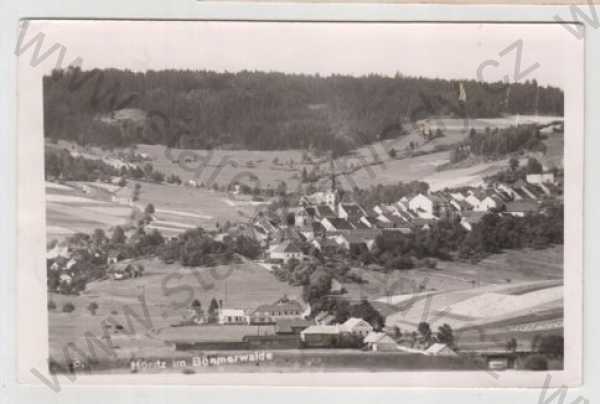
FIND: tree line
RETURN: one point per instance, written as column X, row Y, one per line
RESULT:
column 265, row 110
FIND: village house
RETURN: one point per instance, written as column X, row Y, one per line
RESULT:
column 65, row 278
column 286, row 251
column 460, row 204
column 380, row 342
column 470, row 218
column 350, row 211
column 320, row 336
column 423, row 205
column 324, row 211
column 356, row 326
column 114, row 256
column 370, row 221
column 233, row 316
column 336, row 224
column 283, row 308
column 301, row 216
column 291, row 326
column 489, row 202
column 403, row 204
column 474, row 199
column 544, row 178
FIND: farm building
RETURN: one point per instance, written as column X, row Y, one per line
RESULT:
column 293, row 326
column 320, row 335
column 283, row 308
column 356, row 326
column 422, row 204
column 381, row 342
column 233, row 316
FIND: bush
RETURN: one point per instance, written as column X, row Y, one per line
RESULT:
column 92, row 307
column 536, row 362
column 68, row 307
column 51, row 305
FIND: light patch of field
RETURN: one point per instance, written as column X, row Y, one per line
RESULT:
column 57, row 230
column 497, row 304
column 227, row 166
column 69, row 210
column 172, row 224
column 479, row 305
column 71, row 199
column 55, row 186
column 194, row 206
column 185, row 214
column 514, row 266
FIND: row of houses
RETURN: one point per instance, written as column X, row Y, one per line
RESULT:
column 334, row 335
column 283, row 308
column 322, row 218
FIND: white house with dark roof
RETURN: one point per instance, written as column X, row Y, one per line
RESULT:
column 283, row 308
column 233, row 316
column 380, row 342
column 474, row 200
column 422, row 204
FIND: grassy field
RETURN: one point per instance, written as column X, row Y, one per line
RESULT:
column 228, row 166
column 69, row 210
column 239, row 286
column 423, row 168
column 179, row 207
column 508, row 267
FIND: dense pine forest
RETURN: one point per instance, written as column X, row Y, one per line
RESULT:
column 265, row 110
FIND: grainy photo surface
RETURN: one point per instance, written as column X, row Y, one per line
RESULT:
column 284, row 197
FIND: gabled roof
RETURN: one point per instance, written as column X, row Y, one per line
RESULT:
column 286, row 247
column 353, row 322
column 283, row 304
column 438, row 348
column 358, row 224
column 232, row 312
column 287, row 325
column 325, row 211
column 340, row 224
column 318, row 227
column 353, row 209
column 378, row 337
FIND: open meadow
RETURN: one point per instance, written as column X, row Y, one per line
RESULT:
column 512, row 266
column 179, row 208
column 70, row 209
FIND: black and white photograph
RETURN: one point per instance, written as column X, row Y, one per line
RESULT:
column 321, row 198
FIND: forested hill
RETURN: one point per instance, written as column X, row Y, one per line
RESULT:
column 265, row 110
